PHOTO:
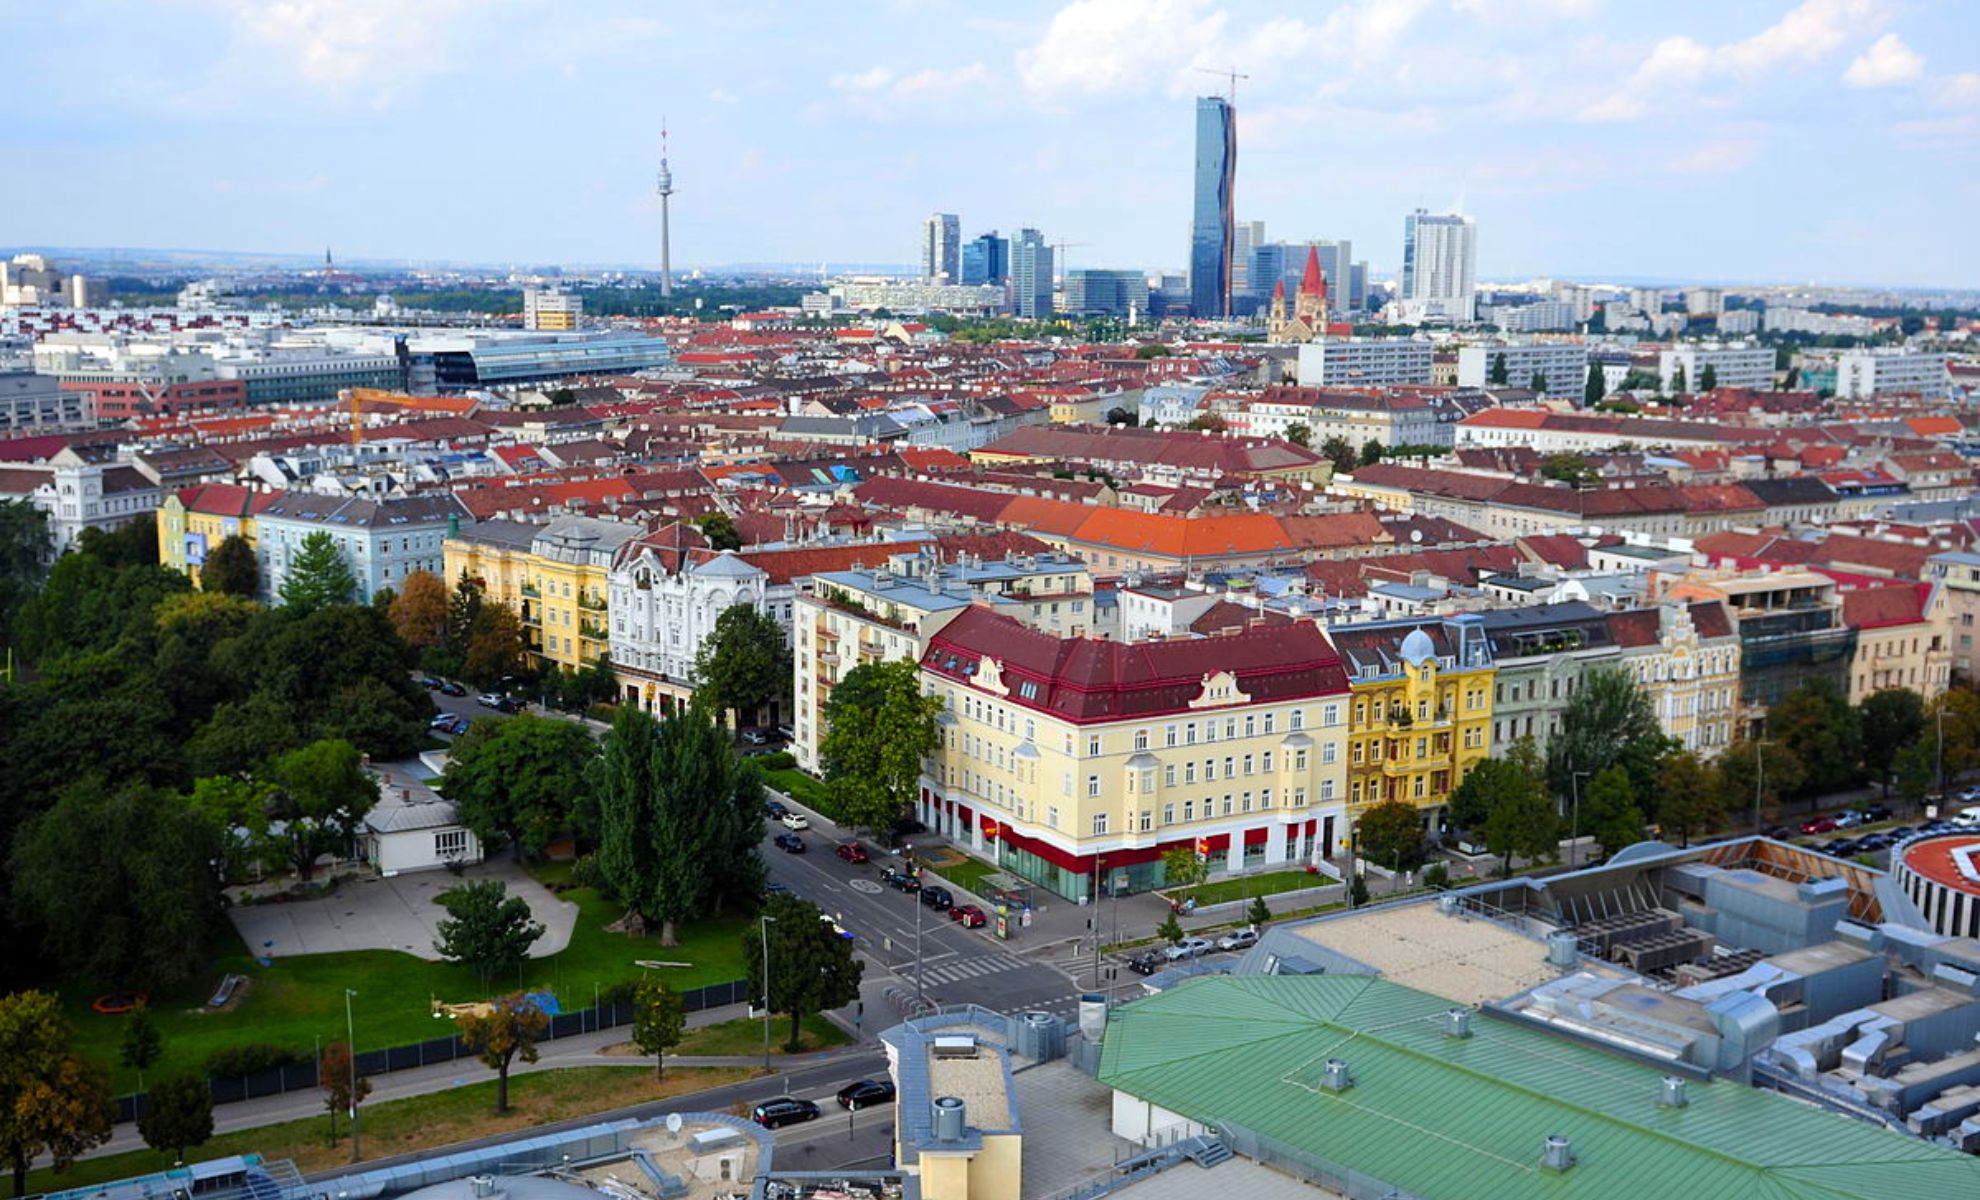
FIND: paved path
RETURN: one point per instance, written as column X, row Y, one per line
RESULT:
column 393, row 914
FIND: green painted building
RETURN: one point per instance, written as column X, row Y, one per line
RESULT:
column 1443, row 1117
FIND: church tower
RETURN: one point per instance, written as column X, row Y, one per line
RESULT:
column 1311, row 305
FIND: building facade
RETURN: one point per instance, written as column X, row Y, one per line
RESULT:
column 1542, row 652
column 31, row 403
column 664, row 607
column 1791, row 631
column 1732, row 367
column 986, row 259
column 1031, row 276
column 1077, row 763
column 1685, row 658
column 381, row 540
column 1862, row 374
column 552, row 310
column 1440, row 256
column 941, row 248
column 1213, row 215
column 193, row 521
column 1108, row 293
column 1355, row 362
column 1561, row 366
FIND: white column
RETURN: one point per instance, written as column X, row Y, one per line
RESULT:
column 1275, row 843
column 1234, row 857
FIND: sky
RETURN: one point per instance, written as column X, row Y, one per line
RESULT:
column 1825, row 141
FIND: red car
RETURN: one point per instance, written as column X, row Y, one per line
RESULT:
column 852, row 852
column 971, row 916
column 1819, row 825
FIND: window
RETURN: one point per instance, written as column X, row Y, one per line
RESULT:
column 1189, row 772
column 1141, row 739
column 1326, row 790
column 1265, row 798
column 1329, row 751
column 1147, row 820
column 1169, row 775
column 1189, row 734
column 1330, row 714
column 1092, row 786
column 1265, row 762
column 1247, row 764
column 1250, row 725
column 1268, row 722
column 1209, row 769
column 1168, row 814
column 1052, row 816
column 1227, row 804
column 1099, row 824
column 450, row 843
column 1168, row 735
column 1299, row 797
column 1189, row 810
column 1093, row 745
column 1296, row 720
column 1228, row 763
column 1299, row 760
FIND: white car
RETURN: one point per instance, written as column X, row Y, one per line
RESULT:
column 1189, row 947
column 795, row 820
column 1238, row 939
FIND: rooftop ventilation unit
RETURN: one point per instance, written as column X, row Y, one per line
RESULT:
column 1337, row 1078
column 1562, row 948
column 1557, row 1154
column 1457, row 1022
column 1672, row 1095
column 955, row 1046
column 948, row 1119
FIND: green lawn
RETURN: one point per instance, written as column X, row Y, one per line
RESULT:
column 744, row 1036
column 297, row 1002
column 419, row 1122
column 803, row 789
column 969, row 873
column 1269, row 883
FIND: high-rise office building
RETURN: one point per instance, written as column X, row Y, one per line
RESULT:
column 552, row 309
column 941, row 248
column 1248, row 236
column 1440, row 253
column 1211, row 229
column 1031, row 275
column 1110, row 293
column 1273, row 263
column 986, row 258
column 1358, row 288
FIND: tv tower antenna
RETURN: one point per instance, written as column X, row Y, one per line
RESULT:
column 666, row 182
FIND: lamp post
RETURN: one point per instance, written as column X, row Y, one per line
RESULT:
column 918, row 906
column 350, row 1032
column 1099, row 865
column 1759, row 779
column 763, row 923
column 1574, row 829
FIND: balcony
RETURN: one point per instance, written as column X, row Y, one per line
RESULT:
column 532, row 617
column 591, row 632
column 530, row 590
column 590, row 601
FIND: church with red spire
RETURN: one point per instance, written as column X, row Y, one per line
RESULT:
column 1308, row 319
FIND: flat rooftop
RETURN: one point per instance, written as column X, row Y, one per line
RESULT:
column 699, row 1168
column 1464, row 959
column 978, row 1082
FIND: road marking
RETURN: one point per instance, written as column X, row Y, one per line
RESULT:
column 865, row 885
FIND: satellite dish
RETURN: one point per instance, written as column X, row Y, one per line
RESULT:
column 673, row 1122
column 1416, row 535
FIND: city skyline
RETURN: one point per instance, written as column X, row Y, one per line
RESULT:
column 1589, row 139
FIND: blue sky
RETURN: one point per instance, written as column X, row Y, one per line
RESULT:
column 1819, row 140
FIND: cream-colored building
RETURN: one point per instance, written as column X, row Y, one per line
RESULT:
column 1077, row 763
column 1903, row 639
column 1685, row 657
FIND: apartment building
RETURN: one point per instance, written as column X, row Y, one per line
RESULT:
column 1078, row 763
column 1542, row 653
column 192, row 521
column 1791, row 630
column 382, row 540
column 1685, row 657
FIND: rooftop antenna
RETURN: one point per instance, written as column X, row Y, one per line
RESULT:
column 1231, row 74
column 666, row 189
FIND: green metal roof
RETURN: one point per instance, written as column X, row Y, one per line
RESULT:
column 1465, row 1118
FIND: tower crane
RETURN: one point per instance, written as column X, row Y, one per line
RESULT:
column 1061, row 248
column 1232, row 74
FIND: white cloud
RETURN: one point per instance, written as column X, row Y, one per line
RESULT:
column 1808, row 33
column 343, row 45
column 1886, row 63
column 1959, row 91
column 865, row 81
column 1096, row 47
column 1718, row 157
column 881, row 93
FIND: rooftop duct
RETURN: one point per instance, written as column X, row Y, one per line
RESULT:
column 1457, row 1022
column 948, row 1119
column 1672, row 1095
column 1562, row 948
column 1337, row 1078
column 1557, row 1154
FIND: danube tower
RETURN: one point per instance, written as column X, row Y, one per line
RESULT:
column 666, row 190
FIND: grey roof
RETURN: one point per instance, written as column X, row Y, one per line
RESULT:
column 501, row 533
column 726, row 566
column 1799, row 489
column 392, row 816
column 316, row 508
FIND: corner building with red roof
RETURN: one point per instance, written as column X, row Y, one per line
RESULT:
column 1077, row 763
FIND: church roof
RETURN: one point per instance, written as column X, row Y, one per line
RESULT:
column 1279, row 290
column 1314, row 281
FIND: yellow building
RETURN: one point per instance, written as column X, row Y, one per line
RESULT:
column 1685, row 657
column 194, row 520
column 1077, row 763
column 554, row 576
column 1420, row 710
column 1903, row 639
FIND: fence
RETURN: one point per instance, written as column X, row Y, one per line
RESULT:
column 1310, row 1168
column 301, row 1076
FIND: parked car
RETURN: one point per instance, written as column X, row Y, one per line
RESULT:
column 489, row 700
column 1189, row 947
column 774, row 809
column 865, row 1093
column 795, row 820
column 774, row 888
column 1970, row 794
column 1966, row 818
column 789, row 843
column 1145, row 962
column 1877, row 812
column 1870, row 843
column 1238, row 939
column 900, row 881
column 971, row 916
column 785, row 733
column 1838, row 847
column 430, row 683
column 1819, row 825
column 852, row 852
column 938, row 898
column 453, row 723
column 1848, row 820
column 450, row 688
column 772, row 1114
column 755, row 737
column 509, row 704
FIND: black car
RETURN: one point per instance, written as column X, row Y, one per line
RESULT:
column 450, row 688
column 1145, row 962
column 938, row 899
column 789, row 843
column 866, row 1093
column 430, row 683
column 774, row 809
column 788, row 1111
column 900, row 881
column 1876, row 812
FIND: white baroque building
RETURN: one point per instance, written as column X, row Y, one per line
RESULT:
column 663, row 606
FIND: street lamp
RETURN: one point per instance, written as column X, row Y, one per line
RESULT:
column 1759, row 779
column 1574, row 829
column 763, row 923
column 350, row 1032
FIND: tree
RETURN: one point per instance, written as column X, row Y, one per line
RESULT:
column 1816, row 723
column 495, row 647
column 1170, row 930
column 812, row 968
column 318, row 576
column 1608, row 721
column 343, row 1087
column 1371, row 452
column 1339, row 451
column 1609, row 812
column 659, row 1021
column 231, row 569
column 1537, row 382
column 141, row 1045
column 1259, row 913
column 1299, row 435
column 419, row 610
column 1500, row 374
column 53, row 1103
column 720, row 530
column 518, row 781
column 121, row 882
column 1391, row 834
column 877, row 732
column 1891, row 718
column 1956, row 715
column 1597, row 387
column 486, row 929
column 1206, row 423
column 178, row 1114
column 743, row 663
column 1183, row 867
column 1779, row 774
column 1357, row 890
column 322, row 792
column 1677, row 380
column 1570, row 468
column 509, row 1030
column 1688, row 798
column 1708, row 378
column 1915, row 766
column 23, row 553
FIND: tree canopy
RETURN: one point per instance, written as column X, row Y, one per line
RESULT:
column 1816, row 723
column 720, row 530
column 52, row 1102
column 419, row 611
column 659, row 1021
column 231, row 569
column 509, row 1030
column 1609, row 812
column 1891, row 719
column 878, row 728
column 1689, row 799
column 1391, row 835
column 812, row 968
column 1609, row 721
column 518, row 782
column 742, row 664
column 318, row 576
column 177, row 1115
column 486, row 929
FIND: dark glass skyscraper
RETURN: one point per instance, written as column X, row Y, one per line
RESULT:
column 986, row 259
column 1211, row 229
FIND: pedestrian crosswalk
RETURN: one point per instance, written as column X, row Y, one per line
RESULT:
column 972, row 967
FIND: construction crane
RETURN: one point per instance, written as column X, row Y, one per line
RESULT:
column 1233, row 74
column 1061, row 248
